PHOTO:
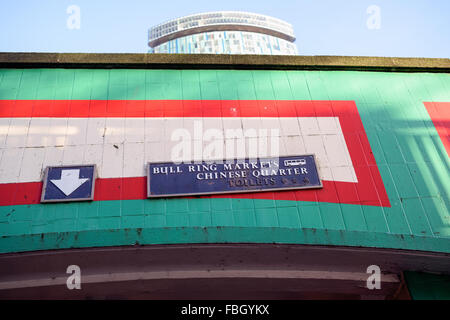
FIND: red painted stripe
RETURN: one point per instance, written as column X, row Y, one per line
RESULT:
column 20, row 193
column 369, row 189
column 440, row 115
column 135, row 189
column 172, row 108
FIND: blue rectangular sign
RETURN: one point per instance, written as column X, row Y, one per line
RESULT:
column 244, row 175
column 69, row 183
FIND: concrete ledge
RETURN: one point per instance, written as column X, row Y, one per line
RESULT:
column 213, row 61
column 214, row 271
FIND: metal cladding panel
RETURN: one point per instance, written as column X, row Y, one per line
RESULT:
column 380, row 138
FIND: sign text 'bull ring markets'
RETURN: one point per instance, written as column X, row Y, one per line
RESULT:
column 244, row 175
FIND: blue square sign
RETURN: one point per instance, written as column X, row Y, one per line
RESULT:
column 69, row 183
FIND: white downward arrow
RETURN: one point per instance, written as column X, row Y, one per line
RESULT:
column 70, row 181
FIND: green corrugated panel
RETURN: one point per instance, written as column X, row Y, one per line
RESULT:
column 426, row 286
column 410, row 156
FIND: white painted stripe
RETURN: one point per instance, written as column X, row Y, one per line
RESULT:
column 121, row 146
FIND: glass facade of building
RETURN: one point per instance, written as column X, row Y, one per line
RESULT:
column 228, row 42
column 223, row 33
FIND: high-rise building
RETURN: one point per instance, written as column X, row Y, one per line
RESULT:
column 223, row 32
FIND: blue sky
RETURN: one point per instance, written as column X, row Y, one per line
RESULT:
column 408, row 28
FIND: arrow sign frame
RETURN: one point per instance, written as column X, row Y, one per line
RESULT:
column 51, row 192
